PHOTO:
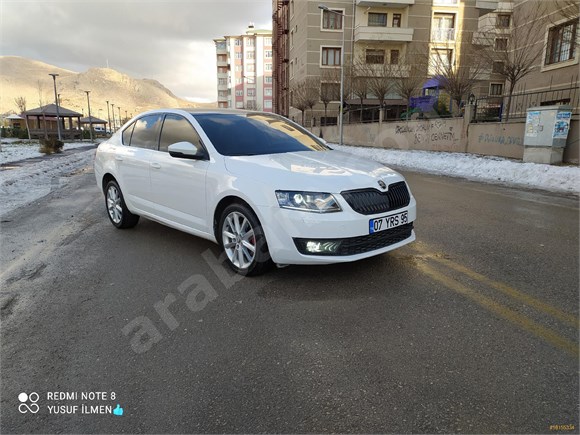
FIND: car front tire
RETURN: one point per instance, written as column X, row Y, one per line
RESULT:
column 117, row 210
column 243, row 241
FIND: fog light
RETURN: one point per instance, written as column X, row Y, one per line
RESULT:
column 315, row 247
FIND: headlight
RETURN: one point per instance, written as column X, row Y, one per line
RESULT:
column 307, row 201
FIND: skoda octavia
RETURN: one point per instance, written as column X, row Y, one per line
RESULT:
column 262, row 187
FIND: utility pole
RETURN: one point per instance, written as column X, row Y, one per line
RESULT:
column 113, row 111
column 54, row 76
column 90, row 117
column 120, row 121
column 108, row 117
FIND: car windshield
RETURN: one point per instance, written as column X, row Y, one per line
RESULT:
column 249, row 134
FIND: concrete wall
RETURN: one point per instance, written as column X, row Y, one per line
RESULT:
column 489, row 138
column 497, row 139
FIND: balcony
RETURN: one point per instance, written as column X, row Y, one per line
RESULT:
column 383, row 34
column 397, row 4
column 442, row 35
column 487, row 5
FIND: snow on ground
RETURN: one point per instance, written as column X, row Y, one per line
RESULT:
column 488, row 169
column 18, row 149
column 22, row 185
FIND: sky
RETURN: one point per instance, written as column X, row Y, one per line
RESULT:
column 167, row 40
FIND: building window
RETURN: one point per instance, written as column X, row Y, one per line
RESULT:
column 267, row 67
column 268, row 79
column 239, row 55
column 222, row 94
column 394, row 57
column 445, row 2
column 222, row 70
column 268, row 92
column 221, row 45
column 501, row 44
column 251, row 67
column 330, row 56
column 250, row 80
column 222, row 58
column 496, row 89
column 396, row 20
column 562, row 42
column 267, row 41
column 268, row 54
column 251, row 55
column 250, row 42
column 239, row 81
column 375, row 56
column 503, row 21
column 377, row 20
column 497, row 67
column 332, row 20
column 237, row 42
column 251, row 92
column 330, row 91
column 440, row 61
column 222, row 82
column 268, row 104
column 251, row 105
column 443, row 27
column 239, row 104
column 239, row 93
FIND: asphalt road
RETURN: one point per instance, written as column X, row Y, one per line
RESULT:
column 472, row 329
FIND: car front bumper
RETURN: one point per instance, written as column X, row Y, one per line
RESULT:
column 289, row 231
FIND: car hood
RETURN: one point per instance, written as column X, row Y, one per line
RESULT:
column 324, row 171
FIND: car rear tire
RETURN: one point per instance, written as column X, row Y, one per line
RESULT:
column 117, row 210
column 243, row 241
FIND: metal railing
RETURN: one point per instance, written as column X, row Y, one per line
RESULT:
column 442, row 35
column 492, row 109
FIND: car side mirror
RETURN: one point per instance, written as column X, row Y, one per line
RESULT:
column 186, row 150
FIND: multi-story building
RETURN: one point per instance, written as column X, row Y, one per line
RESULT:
column 244, row 70
column 397, row 33
column 539, row 38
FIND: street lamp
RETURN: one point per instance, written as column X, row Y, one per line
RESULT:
column 54, row 76
column 90, row 117
column 342, row 19
column 108, row 117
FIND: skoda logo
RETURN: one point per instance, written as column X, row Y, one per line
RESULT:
column 382, row 184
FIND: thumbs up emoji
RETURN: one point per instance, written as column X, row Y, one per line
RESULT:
column 118, row 410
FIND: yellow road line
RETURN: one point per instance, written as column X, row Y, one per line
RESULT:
column 504, row 288
column 501, row 310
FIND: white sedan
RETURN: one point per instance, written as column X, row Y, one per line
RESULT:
column 262, row 187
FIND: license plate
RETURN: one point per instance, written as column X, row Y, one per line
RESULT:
column 388, row 222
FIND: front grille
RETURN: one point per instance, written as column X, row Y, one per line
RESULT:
column 360, row 244
column 372, row 201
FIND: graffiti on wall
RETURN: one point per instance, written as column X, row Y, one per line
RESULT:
column 500, row 139
column 436, row 132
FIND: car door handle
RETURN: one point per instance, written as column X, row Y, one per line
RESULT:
column 156, row 165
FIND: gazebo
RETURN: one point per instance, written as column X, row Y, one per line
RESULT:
column 15, row 121
column 88, row 120
column 42, row 121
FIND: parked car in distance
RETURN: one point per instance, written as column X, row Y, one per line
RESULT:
column 262, row 187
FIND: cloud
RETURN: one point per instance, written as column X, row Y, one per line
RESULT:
column 169, row 41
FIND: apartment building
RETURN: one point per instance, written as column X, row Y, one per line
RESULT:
column 540, row 37
column 309, row 42
column 244, row 70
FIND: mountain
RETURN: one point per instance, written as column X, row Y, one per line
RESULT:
column 20, row 77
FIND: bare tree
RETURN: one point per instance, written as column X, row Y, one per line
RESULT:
column 329, row 89
column 304, row 95
column 21, row 105
column 409, row 73
column 515, row 50
column 458, row 67
column 360, row 80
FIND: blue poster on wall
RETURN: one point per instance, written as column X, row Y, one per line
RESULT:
column 562, row 125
